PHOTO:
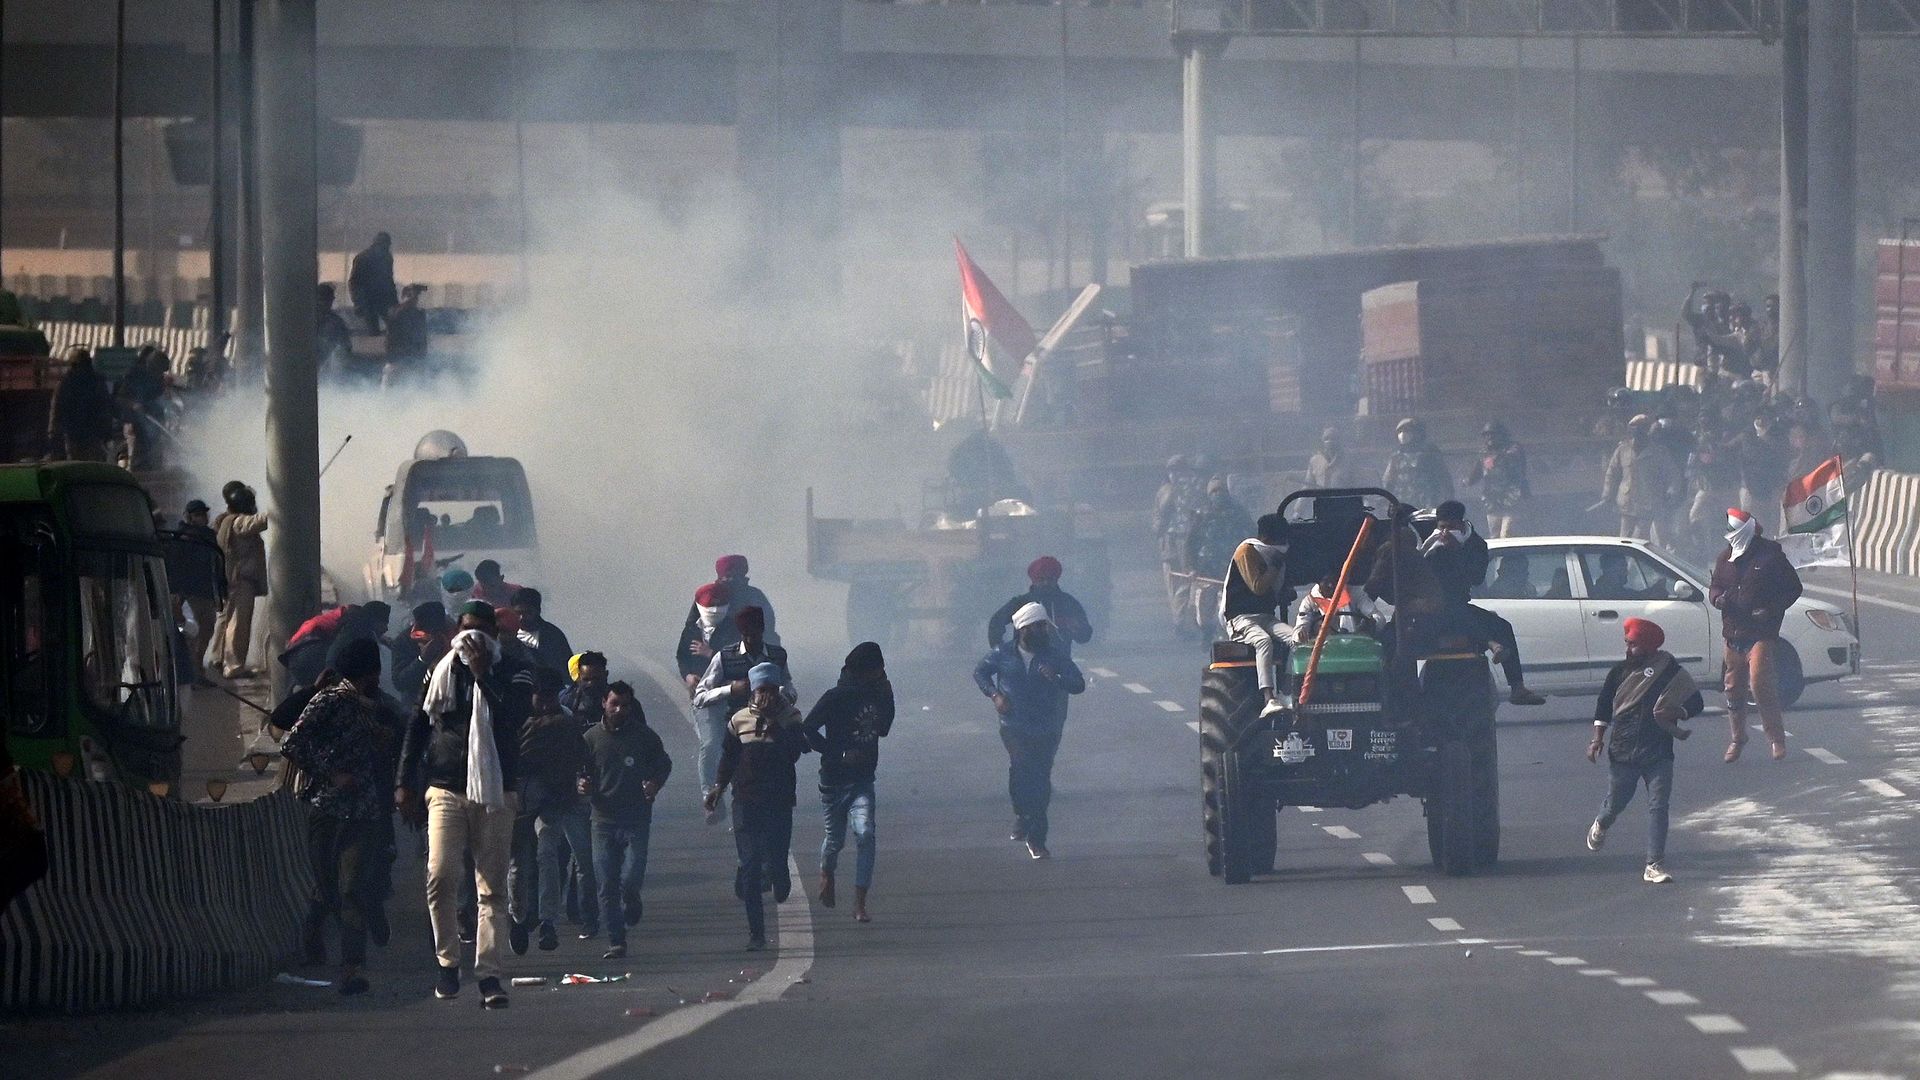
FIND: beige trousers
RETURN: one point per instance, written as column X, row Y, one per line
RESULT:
column 236, row 626
column 457, row 825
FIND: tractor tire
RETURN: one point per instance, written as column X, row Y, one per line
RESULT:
column 1230, row 703
column 1238, row 831
column 1453, row 812
column 1486, row 803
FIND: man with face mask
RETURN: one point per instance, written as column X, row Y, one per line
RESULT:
column 1641, row 482
column 1064, row 610
column 240, row 533
column 1417, row 472
column 710, row 631
column 1029, row 680
column 1329, row 467
column 1501, row 472
column 1254, row 596
column 724, row 689
column 764, row 740
column 1753, row 586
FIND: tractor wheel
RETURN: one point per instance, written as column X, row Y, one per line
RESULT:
column 1486, row 803
column 1230, row 703
column 1238, row 832
column 1264, row 837
column 1452, row 812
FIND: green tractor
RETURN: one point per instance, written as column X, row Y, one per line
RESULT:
column 1365, row 718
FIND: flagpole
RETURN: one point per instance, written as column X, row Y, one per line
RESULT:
column 1853, row 568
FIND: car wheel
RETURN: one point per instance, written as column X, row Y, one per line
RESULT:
column 1789, row 676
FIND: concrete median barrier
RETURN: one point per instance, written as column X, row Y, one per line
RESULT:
column 1887, row 523
column 150, row 898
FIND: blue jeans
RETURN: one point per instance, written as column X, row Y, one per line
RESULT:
column 849, row 806
column 762, row 836
column 620, row 858
column 563, row 838
column 1658, row 777
column 710, row 726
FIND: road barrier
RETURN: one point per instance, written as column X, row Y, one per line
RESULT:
column 149, row 898
column 177, row 341
column 1650, row 375
column 1886, row 523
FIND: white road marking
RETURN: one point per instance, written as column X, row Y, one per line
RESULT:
column 1418, row 894
column 1820, row 753
column 1672, row 997
column 1762, row 1059
column 1566, row 961
column 1717, row 1024
column 1536, row 952
column 1598, row 971
column 1377, row 858
column 1472, row 940
column 1355, row 948
column 1340, row 832
column 1635, row 980
column 1214, row 955
column 1445, row 924
column 1309, row 809
column 1171, row 706
column 1881, row 787
column 1195, row 725
column 1509, row 946
column 1105, row 673
column 795, row 920
column 1866, row 598
column 1137, row 688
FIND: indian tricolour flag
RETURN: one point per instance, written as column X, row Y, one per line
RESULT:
column 998, row 338
column 1816, row 512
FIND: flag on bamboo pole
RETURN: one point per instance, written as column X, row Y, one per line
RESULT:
column 998, row 338
column 1816, row 513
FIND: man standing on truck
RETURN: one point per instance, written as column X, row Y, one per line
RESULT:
column 1063, row 610
column 1254, row 593
column 1642, row 703
column 370, row 282
column 1029, row 680
column 1417, row 472
column 1753, row 585
column 239, row 533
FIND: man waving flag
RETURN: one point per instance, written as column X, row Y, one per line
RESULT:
column 1816, row 513
column 998, row 338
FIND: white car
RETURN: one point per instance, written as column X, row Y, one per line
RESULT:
column 1566, row 597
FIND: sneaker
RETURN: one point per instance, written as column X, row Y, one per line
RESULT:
column 1520, row 695
column 1654, row 875
column 1038, row 851
column 1596, row 835
column 353, row 985
column 549, row 939
column 447, row 986
column 491, row 996
column 1274, row 707
column 589, row 931
column 517, row 937
column 756, row 942
column 617, row 952
column 1019, row 833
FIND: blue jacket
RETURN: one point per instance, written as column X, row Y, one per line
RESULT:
column 1038, row 690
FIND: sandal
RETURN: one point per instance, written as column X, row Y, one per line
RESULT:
column 1733, row 750
column 1779, row 749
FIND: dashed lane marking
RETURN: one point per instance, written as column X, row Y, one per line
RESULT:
column 1762, row 1059
column 1171, row 706
column 1598, row 971
column 1137, row 688
column 1672, row 997
column 1509, row 946
column 1717, row 1024
column 1566, row 961
column 1440, row 923
column 1418, row 894
column 1377, row 858
column 1536, row 952
column 1635, row 980
column 1472, row 940
column 1821, row 753
column 1309, row 809
column 1195, row 725
column 1881, row 787
column 1340, row 832
column 1105, row 673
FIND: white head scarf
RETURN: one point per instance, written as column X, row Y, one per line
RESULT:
column 1029, row 614
column 710, row 616
column 1741, row 529
column 486, row 784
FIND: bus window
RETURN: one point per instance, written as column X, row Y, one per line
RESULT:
column 124, row 648
column 23, row 636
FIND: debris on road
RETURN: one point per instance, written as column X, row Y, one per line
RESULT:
column 287, row 978
column 529, row 980
column 508, row 1070
column 577, row 979
column 717, row 995
column 641, row 1012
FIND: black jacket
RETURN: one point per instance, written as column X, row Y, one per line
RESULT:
column 1626, row 705
column 553, row 757
column 1754, row 591
column 194, row 565
column 846, row 726
column 554, row 651
column 618, row 762
column 1063, row 610
column 435, row 752
column 686, row 659
column 1459, row 569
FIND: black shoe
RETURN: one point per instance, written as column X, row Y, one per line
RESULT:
column 491, row 996
column 517, row 937
column 549, row 940
column 469, row 918
column 353, row 985
column 1019, row 833
column 618, row 952
column 756, row 942
column 633, row 908
column 782, row 888
column 448, row 986
column 379, row 931
column 1038, row 851
column 589, row 931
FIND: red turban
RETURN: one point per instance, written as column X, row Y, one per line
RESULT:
column 1644, row 633
column 727, row 566
column 1044, row 568
column 713, row 594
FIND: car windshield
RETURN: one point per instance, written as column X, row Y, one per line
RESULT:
column 124, row 645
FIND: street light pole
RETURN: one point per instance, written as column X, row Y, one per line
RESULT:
column 120, row 174
column 1830, row 238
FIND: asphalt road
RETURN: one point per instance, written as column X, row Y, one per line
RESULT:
column 1789, row 945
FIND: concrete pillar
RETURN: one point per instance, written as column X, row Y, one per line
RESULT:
column 247, row 337
column 1793, row 198
column 1198, row 51
column 787, row 131
column 289, row 211
column 1831, row 270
